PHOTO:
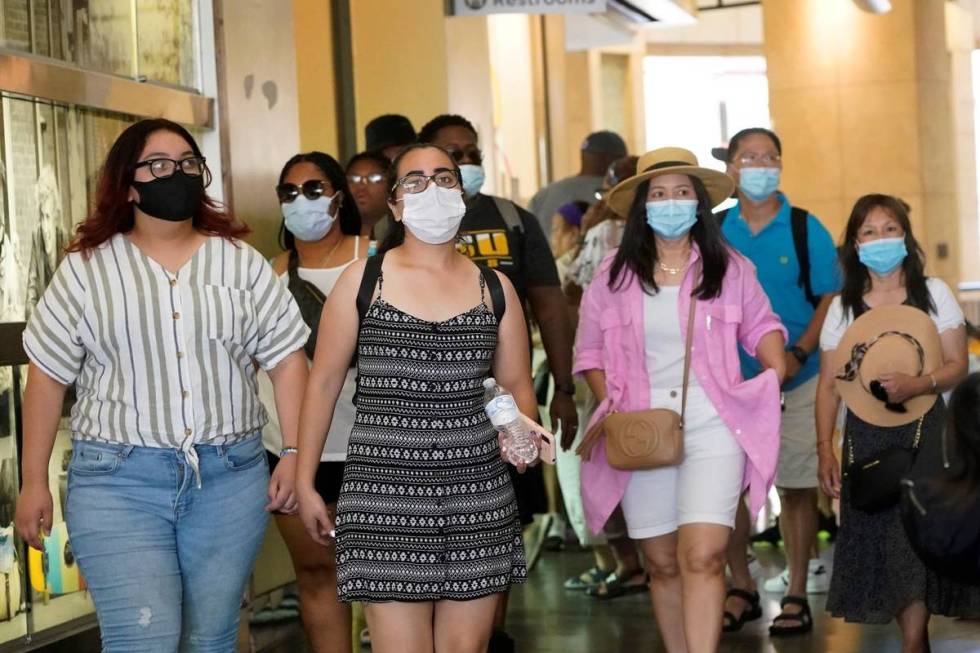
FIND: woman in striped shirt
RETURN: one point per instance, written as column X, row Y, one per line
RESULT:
column 158, row 315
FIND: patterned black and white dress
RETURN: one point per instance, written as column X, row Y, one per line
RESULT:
column 427, row 509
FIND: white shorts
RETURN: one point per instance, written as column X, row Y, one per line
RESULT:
column 797, row 466
column 704, row 489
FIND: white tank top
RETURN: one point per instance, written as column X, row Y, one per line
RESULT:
column 663, row 341
column 335, row 448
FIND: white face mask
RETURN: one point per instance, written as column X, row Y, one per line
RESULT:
column 434, row 215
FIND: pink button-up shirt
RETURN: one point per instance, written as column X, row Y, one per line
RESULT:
column 611, row 338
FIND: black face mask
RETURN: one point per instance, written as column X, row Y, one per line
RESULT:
column 176, row 198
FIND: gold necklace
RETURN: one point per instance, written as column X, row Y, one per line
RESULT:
column 670, row 270
column 323, row 261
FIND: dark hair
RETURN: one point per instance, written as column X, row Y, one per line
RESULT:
column 638, row 251
column 396, row 234
column 375, row 156
column 857, row 280
column 113, row 212
column 751, row 131
column 431, row 128
column 350, row 217
column 963, row 424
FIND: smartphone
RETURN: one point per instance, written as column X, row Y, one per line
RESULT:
column 547, row 440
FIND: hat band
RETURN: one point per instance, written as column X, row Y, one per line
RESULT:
column 668, row 164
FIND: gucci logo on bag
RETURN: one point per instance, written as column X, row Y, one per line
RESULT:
column 638, row 440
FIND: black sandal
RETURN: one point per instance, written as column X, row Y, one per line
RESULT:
column 752, row 611
column 803, row 617
column 613, row 586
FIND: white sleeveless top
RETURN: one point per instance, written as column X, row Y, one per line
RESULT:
column 335, row 448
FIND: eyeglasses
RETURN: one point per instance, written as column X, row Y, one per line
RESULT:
column 417, row 182
column 312, row 189
column 374, row 178
column 472, row 153
column 192, row 166
column 753, row 159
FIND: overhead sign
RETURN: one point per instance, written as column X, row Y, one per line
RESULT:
column 485, row 7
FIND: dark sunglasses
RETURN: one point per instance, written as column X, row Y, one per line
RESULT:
column 311, row 189
column 473, row 153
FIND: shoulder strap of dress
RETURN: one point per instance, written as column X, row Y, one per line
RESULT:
column 372, row 270
column 496, row 292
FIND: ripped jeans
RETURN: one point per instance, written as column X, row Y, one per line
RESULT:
column 167, row 562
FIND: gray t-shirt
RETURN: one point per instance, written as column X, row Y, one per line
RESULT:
column 546, row 202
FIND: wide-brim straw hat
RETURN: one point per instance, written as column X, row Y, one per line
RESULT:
column 883, row 340
column 668, row 161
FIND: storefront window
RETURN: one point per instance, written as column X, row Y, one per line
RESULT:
column 156, row 43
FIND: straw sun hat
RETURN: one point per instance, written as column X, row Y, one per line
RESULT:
column 666, row 161
column 883, row 340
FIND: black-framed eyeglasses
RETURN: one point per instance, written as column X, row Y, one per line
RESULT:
column 160, row 168
column 417, row 182
column 472, row 153
column 373, row 179
column 312, row 189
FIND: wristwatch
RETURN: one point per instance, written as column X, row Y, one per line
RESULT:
column 568, row 389
column 798, row 353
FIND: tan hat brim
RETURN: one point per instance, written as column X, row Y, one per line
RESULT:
column 866, row 328
column 719, row 186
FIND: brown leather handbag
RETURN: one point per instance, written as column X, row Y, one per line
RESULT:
column 644, row 439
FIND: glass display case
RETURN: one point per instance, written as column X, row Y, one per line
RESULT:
column 50, row 155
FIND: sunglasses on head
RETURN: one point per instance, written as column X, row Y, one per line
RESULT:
column 311, row 189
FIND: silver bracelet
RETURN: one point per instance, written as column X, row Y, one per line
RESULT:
column 285, row 451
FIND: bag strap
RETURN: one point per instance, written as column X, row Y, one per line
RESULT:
column 798, row 222
column 372, row 270
column 496, row 292
column 687, row 354
column 508, row 211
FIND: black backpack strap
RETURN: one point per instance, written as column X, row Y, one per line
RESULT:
column 798, row 222
column 496, row 292
column 372, row 270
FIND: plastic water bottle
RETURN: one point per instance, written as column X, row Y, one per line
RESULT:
column 506, row 418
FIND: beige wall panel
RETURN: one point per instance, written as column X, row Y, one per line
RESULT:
column 879, row 137
column 262, row 110
column 808, row 122
column 940, row 226
column 801, row 32
column 937, row 148
column 315, row 76
column 872, row 48
column 400, row 62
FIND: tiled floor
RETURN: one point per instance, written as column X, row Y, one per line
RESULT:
column 546, row 619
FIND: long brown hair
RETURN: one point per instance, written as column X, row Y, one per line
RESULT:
column 113, row 212
column 857, row 280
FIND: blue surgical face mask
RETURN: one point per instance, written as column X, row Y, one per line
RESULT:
column 672, row 219
column 473, row 178
column 758, row 183
column 883, row 255
column 309, row 220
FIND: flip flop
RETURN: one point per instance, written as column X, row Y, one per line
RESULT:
column 614, row 586
column 751, row 612
column 594, row 575
column 803, row 618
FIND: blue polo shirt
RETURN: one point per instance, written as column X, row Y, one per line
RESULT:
column 774, row 256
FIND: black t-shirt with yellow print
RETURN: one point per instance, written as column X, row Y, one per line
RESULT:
column 525, row 257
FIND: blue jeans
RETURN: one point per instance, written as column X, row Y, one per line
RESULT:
column 166, row 562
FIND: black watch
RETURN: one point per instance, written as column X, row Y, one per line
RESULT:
column 565, row 389
column 799, row 353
